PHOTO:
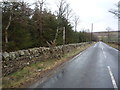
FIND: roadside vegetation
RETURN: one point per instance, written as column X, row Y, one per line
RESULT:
column 117, row 46
column 34, row 72
column 28, row 25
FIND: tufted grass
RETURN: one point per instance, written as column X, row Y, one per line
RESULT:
column 114, row 45
column 33, row 72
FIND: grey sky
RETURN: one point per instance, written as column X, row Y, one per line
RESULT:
column 93, row 11
column 96, row 11
column 90, row 11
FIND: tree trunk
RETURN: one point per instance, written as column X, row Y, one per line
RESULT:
column 56, row 35
column 53, row 43
column 6, row 31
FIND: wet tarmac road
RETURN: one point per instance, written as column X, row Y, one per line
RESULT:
column 96, row 67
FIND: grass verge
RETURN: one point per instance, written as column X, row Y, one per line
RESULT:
column 32, row 73
column 114, row 45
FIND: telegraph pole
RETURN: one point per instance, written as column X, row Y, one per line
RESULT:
column 63, row 36
column 63, row 39
column 91, row 31
column 108, row 31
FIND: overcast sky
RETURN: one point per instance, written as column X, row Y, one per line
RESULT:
column 91, row 11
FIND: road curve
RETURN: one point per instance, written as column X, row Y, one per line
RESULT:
column 96, row 67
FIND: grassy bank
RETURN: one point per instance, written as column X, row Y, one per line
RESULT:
column 114, row 45
column 32, row 73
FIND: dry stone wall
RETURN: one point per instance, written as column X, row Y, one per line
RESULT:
column 14, row 61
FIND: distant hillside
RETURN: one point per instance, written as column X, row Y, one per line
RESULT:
column 108, row 36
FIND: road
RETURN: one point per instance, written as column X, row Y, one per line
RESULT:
column 96, row 67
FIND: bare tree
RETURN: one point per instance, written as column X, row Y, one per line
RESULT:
column 39, row 6
column 108, row 31
column 9, row 9
column 116, row 12
column 76, row 21
column 62, row 12
column 68, row 12
column 61, row 8
column 53, row 43
column 10, row 18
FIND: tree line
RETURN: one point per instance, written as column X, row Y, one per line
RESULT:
column 27, row 25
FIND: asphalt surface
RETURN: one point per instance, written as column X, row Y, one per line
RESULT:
column 96, row 67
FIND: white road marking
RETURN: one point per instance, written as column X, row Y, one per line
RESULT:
column 104, row 53
column 112, row 78
column 102, row 48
